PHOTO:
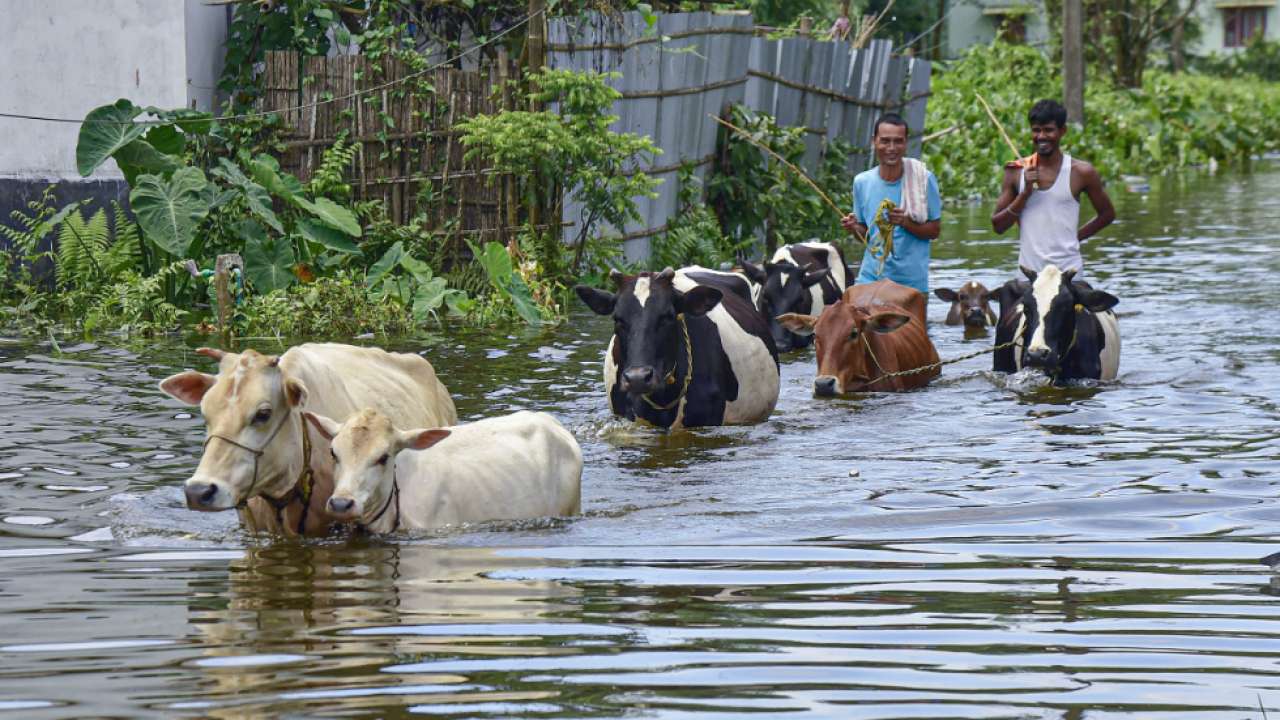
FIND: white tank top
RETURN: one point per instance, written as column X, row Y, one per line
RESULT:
column 1048, row 224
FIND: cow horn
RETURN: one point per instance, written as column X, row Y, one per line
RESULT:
column 617, row 277
column 214, row 353
column 667, row 274
column 1067, row 276
column 1031, row 274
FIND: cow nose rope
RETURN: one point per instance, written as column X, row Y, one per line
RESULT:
column 886, row 375
column 688, row 376
column 302, row 487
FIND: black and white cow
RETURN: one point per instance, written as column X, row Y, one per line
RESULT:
column 804, row 279
column 665, row 321
column 1063, row 327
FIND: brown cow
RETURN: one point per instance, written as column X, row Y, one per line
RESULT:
column 875, row 329
column 969, row 305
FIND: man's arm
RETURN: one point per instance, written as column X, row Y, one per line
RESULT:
column 1106, row 212
column 1010, row 203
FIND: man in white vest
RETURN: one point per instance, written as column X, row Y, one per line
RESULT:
column 1041, row 194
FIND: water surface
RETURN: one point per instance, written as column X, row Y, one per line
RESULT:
column 987, row 548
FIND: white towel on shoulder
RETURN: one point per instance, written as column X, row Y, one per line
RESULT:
column 915, row 190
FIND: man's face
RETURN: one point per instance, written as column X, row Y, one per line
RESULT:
column 891, row 144
column 1047, row 136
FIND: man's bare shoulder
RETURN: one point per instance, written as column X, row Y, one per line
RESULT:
column 1083, row 170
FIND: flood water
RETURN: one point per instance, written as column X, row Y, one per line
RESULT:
column 987, row 548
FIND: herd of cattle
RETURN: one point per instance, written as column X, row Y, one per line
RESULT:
column 330, row 434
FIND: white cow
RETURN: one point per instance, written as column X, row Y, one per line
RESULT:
column 523, row 465
column 259, row 456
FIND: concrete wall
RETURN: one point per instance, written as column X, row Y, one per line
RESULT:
column 966, row 25
column 66, row 57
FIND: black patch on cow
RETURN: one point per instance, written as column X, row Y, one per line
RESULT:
column 794, row 295
column 725, row 283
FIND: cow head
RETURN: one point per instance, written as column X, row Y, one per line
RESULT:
column 364, row 450
column 845, row 338
column 253, row 446
column 969, row 305
column 646, row 331
column 1052, row 307
column 785, row 288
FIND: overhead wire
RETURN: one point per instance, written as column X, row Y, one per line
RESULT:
column 307, row 106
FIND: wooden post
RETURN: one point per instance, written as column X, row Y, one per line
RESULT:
column 508, row 219
column 536, row 43
column 222, row 289
column 806, row 26
column 1073, row 61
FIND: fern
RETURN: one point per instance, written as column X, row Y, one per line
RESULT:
column 136, row 303
column 329, row 179
column 82, row 248
column 35, row 224
column 125, row 252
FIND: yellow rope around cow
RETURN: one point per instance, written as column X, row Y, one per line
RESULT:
column 671, row 378
column 885, row 374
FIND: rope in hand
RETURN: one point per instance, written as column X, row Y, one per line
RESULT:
column 882, row 247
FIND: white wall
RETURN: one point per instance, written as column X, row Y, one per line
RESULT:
column 63, row 58
column 206, row 47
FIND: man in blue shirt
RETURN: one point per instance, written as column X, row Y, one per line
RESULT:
column 914, row 225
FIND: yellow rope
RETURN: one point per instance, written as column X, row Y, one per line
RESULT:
column 882, row 247
column 688, row 377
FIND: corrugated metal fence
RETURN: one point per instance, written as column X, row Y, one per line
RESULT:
column 690, row 65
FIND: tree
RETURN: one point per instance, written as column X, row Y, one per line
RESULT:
column 1128, row 29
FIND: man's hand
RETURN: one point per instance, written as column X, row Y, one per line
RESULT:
column 1033, row 179
column 897, row 216
column 850, row 223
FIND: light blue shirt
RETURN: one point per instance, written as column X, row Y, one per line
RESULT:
column 908, row 264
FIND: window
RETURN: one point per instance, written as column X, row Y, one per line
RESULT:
column 1239, row 25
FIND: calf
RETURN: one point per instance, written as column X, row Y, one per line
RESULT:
column 970, row 305
column 685, row 353
column 1067, row 329
column 866, row 336
column 803, row 279
column 523, row 465
column 258, row 456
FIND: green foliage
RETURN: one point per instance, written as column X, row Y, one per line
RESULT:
column 571, row 148
column 1260, row 59
column 301, row 25
column 694, row 236
column 511, row 286
column 170, row 210
column 137, row 304
column 1172, row 121
column 329, row 179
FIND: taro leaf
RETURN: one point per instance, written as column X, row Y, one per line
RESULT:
column 192, row 122
column 327, row 236
column 141, row 156
column 331, row 213
column 105, row 130
column 266, row 170
column 255, row 196
column 428, row 298
column 167, row 139
column 170, row 211
column 268, row 261
column 384, row 264
column 497, row 264
column 417, row 268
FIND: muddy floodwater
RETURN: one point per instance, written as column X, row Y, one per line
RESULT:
column 990, row 547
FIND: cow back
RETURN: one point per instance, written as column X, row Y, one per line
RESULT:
column 881, row 294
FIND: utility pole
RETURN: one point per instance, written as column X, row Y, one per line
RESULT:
column 1073, row 61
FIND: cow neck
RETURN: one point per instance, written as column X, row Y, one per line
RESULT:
column 394, row 497
column 1075, row 335
column 883, row 373
column 301, row 489
column 688, row 375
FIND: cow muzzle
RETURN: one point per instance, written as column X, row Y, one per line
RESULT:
column 342, row 508
column 1043, row 358
column 207, row 496
column 641, row 380
column 826, row 386
column 974, row 317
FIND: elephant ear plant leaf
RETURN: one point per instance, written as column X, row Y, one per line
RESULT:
column 169, row 211
column 105, row 130
column 268, row 261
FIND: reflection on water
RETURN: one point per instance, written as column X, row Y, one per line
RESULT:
column 991, row 547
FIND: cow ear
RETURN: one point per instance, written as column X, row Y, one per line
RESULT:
column 1068, row 276
column 327, row 427
column 601, row 302
column 421, row 439
column 887, row 322
column 188, row 387
column 1031, row 274
column 700, row 300
column 214, row 353
column 1097, row 300
column 946, row 294
column 754, row 273
column 813, row 277
column 295, row 392
column 617, row 277
column 797, row 323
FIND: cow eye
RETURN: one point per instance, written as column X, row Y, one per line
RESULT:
column 333, row 455
column 382, row 460
column 853, row 334
column 262, row 416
